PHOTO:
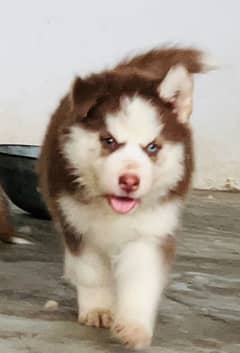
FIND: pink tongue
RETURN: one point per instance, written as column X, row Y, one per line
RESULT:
column 122, row 204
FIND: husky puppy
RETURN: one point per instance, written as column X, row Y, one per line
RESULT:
column 115, row 167
column 6, row 228
column 7, row 231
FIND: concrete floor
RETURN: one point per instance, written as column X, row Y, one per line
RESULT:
column 199, row 314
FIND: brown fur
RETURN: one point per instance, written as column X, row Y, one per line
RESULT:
column 87, row 105
column 168, row 248
column 151, row 65
column 6, row 228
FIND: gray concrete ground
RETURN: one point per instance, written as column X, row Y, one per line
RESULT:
column 199, row 314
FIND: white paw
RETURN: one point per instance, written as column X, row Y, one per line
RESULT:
column 132, row 335
column 96, row 318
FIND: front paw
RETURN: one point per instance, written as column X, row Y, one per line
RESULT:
column 96, row 318
column 134, row 336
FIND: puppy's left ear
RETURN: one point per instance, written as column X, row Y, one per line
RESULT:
column 177, row 89
column 84, row 95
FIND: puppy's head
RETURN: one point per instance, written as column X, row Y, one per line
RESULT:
column 129, row 141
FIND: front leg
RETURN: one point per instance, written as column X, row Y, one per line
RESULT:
column 95, row 306
column 141, row 274
column 90, row 273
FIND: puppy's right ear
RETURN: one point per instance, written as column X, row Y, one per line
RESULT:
column 84, row 95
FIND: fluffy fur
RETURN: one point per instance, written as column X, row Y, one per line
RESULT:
column 115, row 167
column 6, row 228
column 7, row 232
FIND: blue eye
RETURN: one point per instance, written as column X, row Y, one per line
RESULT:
column 152, row 148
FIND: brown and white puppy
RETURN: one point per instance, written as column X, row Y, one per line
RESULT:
column 115, row 167
column 7, row 231
column 6, row 228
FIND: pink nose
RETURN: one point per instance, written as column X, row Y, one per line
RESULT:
column 129, row 182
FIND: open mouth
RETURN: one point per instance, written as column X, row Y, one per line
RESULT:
column 122, row 204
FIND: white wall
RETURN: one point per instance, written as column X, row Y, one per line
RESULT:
column 43, row 44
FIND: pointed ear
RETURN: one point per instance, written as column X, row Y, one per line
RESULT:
column 177, row 89
column 84, row 95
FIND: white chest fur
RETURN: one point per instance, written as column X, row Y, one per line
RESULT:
column 104, row 229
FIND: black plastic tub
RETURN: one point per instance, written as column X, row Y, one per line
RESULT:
column 19, row 179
